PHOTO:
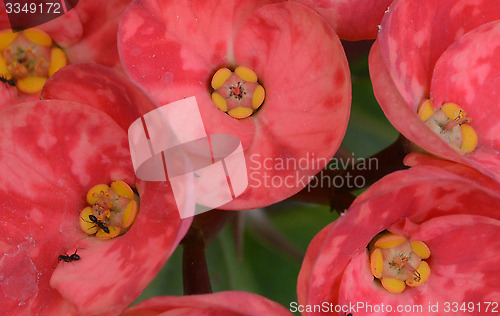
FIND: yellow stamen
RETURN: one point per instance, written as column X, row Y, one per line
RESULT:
column 446, row 122
column 86, row 224
column 237, row 93
column 219, row 102
column 93, row 193
column 258, row 97
column 389, row 241
column 393, row 285
column 420, row 249
column 246, row 74
column 220, row 77
column 6, row 38
column 469, row 138
column 377, row 263
column 240, row 112
column 31, row 85
column 112, row 210
column 392, row 261
column 129, row 214
column 38, row 37
column 423, row 271
column 105, row 214
column 113, row 232
column 122, row 189
column 425, row 110
column 452, row 111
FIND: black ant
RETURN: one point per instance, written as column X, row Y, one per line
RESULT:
column 6, row 81
column 66, row 258
column 99, row 223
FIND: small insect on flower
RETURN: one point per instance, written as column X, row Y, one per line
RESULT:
column 69, row 258
column 6, row 81
column 99, row 223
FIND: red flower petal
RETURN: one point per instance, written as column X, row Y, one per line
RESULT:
column 307, row 271
column 221, row 303
column 102, row 88
column 66, row 30
column 182, row 45
column 352, row 20
column 100, row 26
column 8, row 97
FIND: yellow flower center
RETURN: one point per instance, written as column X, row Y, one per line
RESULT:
column 451, row 124
column 237, row 93
column 28, row 59
column 398, row 263
column 112, row 210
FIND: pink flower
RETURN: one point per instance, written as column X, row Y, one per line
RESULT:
column 51, row 153
column 101, row 88
column 96, row 42
column 351, row 20
column 85, row 34
column 451, row 208
column 174, row 48
column 221, row 303
column 441, row 60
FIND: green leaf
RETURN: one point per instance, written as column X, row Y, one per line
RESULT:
column 368, row 130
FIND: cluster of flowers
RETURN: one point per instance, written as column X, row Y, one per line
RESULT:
column 273, row 73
